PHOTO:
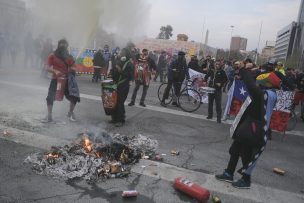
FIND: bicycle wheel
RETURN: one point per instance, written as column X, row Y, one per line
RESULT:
column 292, row 122
column 189, row 100
column 161, row 91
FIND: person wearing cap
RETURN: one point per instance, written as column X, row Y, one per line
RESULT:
column 177, row 72
column 61, row 63
column 216, row 79
column 143, row 68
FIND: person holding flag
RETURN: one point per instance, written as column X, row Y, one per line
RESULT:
column 249, row 130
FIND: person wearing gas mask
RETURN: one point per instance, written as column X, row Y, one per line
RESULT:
column 61, row 63
column 122, row 75
column 143, row 68
column 177, row 72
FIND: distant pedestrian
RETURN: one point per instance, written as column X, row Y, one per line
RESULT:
column 161, row 66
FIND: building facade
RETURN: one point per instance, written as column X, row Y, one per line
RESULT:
column 285, row 42
column 238, row 44
column 298, row 47
column 268, row 51
column 12, row 16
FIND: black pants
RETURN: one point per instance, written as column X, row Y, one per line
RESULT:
column 144, row 93
column 52, row 93
column 237, row 150
column 177, row 88
column 96, row 75
column 159, row 73
column 119, row 115
column 217, row 96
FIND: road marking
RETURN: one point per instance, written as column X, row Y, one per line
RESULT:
column 148, row 107
column 257, row 193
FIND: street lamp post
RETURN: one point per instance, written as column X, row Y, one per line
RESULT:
column 231, row 26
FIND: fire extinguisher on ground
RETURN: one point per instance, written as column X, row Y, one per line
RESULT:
column 61, row 84
column 194, row 190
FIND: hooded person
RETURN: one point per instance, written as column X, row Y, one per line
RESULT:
column 122, row 74
column 61, row 65
column 249, row 130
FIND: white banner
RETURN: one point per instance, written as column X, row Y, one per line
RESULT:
column 198, row 79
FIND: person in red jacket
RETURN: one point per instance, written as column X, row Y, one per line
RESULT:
column 60, row 63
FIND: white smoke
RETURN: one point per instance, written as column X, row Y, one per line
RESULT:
column 79, row 20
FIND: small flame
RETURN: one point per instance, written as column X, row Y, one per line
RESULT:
column 51, row 155
column 87, row 145
column 98, row 154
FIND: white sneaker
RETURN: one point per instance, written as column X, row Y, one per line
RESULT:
column 72, row 117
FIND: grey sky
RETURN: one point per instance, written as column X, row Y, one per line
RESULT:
column 187, row 16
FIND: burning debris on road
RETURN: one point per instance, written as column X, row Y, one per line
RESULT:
column 92, row 157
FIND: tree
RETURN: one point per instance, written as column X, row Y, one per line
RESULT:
column 165, row 32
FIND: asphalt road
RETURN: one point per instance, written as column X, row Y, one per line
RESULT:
column 203, row 147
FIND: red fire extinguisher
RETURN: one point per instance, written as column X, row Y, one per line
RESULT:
column 194, row 190
column 61, row 84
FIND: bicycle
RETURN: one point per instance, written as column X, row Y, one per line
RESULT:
column 189, row 99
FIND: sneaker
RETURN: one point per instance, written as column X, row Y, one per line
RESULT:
column 142, row 104
column 71, row 116
column 112, row 121
column 131, row 104
column 175, row 104
column 225, row 177
column 163, row 104
column 241, row 184
column 47, row 119
column 209, row 117
column 119, row 124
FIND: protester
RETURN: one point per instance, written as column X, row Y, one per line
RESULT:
column 217, row 79
column 300, row 93
column 193, row 64
column 229, row 71
column 106, row 60
column 177, row 73
column 46, row 51
column 2, row 47
column 61, row 63
column 161, row 66
column 250, row 134
column 98, row 62
column 29, row 50
column 208, row 64
column 143, row 68
column 122, row 74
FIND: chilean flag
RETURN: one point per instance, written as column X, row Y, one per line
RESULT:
column 236, row 96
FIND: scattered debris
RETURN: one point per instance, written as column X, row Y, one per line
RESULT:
column 173, row 152
column 279, row 171
column 164, row 154
column 92, row 157
column 7, row 133
column 129, row 193
column 216, row 199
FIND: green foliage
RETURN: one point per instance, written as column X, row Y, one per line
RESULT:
column 165, row 32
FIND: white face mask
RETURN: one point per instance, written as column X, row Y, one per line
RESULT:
column 123, row 58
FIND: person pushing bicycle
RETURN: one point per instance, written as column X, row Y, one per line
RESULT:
column 177, row 72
